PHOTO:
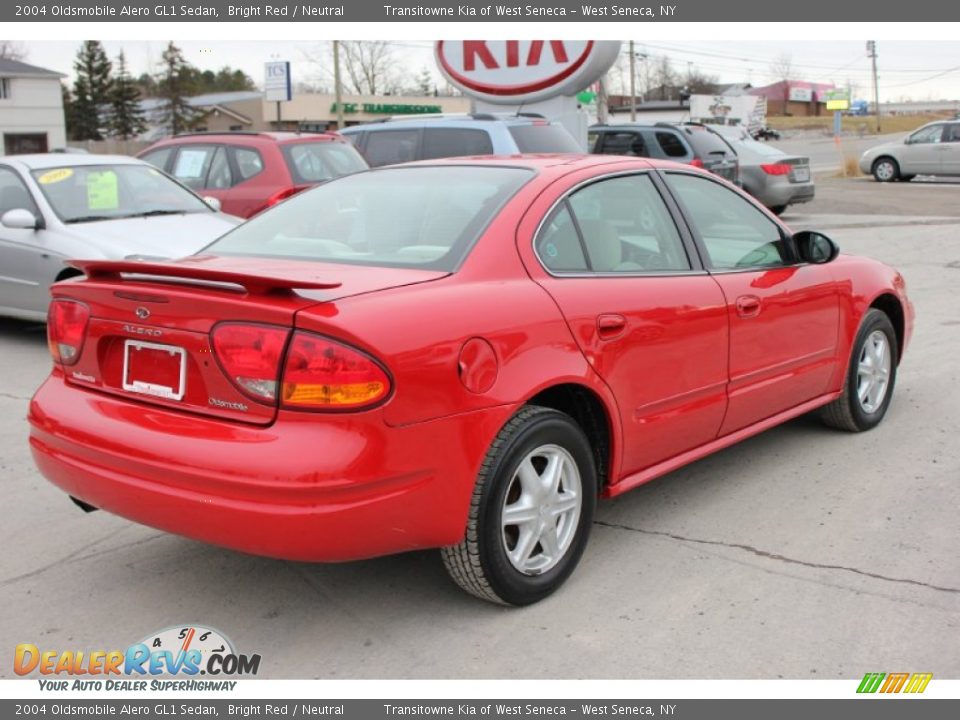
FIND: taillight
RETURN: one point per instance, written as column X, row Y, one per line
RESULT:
column 282, row 195
column 697, row 162
column 250, row 355
column 776, row 169
column 322, row 374
column 66, row 329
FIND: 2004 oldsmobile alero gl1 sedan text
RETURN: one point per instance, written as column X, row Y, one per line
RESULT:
column 461, row 354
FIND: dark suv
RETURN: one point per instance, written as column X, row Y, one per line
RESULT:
column 251, row 171
column 690, row 143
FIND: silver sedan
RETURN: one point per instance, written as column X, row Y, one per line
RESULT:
column 775, row 178
column 934, row 149
column 57, row 207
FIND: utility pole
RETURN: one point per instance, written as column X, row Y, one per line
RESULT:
column 872, row 54
column 337, row 89
column 633, row 84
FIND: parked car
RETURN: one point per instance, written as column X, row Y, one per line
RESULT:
column 431, row 137
column 775, row 178
column 934, row 149
column 691, row 143
column 459, row 354
column 765, row 132
column 58, row 206
column 249, row 172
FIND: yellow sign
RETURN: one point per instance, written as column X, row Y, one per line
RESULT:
column 843, row 104
column 54, row 176
column 102, row 190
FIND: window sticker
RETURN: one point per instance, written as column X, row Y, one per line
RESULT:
column 102, row 193
column 55, row 176
column 190, row 163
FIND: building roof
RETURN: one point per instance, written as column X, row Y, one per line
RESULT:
column 15, row 68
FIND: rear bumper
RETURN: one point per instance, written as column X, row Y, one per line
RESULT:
column 309, row 487
column 786, row 193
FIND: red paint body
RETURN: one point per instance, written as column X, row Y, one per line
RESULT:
column 682, row 364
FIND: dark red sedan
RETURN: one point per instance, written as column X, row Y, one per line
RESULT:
column 459, row 354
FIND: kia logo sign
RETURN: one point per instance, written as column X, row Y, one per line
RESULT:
column 512, row 72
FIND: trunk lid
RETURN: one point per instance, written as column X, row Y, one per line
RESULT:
column 149, row 334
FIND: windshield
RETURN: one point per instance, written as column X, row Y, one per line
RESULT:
column 426, row 217
column 86, row 193
column 314, row 162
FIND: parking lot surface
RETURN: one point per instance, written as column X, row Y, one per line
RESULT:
column 804, row 552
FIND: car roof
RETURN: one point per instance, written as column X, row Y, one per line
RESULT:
column 270, row 136
column 549, row 163
column 42, row 161
column 458, row 121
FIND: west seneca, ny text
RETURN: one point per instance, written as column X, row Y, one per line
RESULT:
column 530, row 10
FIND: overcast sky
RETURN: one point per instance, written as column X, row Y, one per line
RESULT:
column 908, row 70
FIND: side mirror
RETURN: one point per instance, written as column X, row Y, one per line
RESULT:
column 213, row 203
column 19, row 219
column 815, row 248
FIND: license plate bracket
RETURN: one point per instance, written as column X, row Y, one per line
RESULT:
column 154, row 369
column 801, row 175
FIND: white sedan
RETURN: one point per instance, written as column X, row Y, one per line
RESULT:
column 56, row 207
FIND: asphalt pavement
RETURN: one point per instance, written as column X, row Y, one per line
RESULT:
column 804, row 552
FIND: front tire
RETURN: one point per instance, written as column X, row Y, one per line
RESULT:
column 886, row 169
column 531, row 510
column 871, row 375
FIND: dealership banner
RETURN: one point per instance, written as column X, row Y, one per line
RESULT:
column 444, row 11
column 493, row 709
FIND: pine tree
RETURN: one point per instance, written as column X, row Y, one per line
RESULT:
column 91, row 90
column 126, row 117
column 173, row 86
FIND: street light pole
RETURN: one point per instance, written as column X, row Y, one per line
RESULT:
column 337, row 89
column 872, row 54
column 633, row 84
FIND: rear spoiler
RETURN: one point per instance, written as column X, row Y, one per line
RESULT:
column 255, row 284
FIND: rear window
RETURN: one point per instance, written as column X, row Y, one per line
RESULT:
column 706, row 142
column 390, row 147
column 671, row 144
column 544, row 139
column 424, row 217
column 314, row 162
column 454, row 142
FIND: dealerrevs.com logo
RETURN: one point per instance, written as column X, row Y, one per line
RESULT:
column 183, row 651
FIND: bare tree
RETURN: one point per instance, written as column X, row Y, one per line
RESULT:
column 665, row 76
column 782, row 70
column 10, row 50
column 369, row 67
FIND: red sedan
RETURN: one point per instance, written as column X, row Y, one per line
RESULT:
column 460, row 354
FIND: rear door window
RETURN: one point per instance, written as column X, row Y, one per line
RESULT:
column 248, row 162
column 454, row 142
column 389, row 147
column 624, row 143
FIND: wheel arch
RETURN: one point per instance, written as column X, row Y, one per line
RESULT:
column 890, row 305
column 589, row 410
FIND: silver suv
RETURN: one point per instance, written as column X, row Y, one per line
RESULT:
column 400, row 140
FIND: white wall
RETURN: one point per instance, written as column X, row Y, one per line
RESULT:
column 34, row 105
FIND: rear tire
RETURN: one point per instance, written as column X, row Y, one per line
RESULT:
column 870, row 378
column 778, row 209
column 885, row 169
column 531, row 510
